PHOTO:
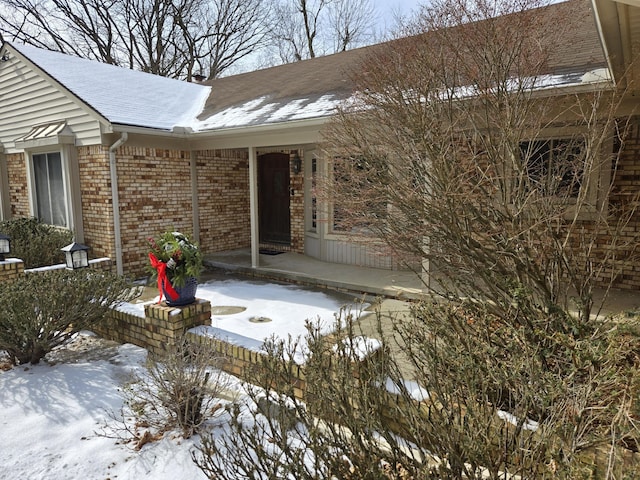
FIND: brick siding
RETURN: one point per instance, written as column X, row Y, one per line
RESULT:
column 296, row 207
column 223, row 199
column 18, row 193
column 97, row 210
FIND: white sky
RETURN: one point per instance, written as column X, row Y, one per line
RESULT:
column 389, row 9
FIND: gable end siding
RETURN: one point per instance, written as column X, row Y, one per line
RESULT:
column 27, row 99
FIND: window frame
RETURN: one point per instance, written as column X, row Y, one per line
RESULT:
column 595, row 179
column 68, row 183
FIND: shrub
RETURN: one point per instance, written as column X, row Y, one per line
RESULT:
column 35, row 243
column 179, row 389
column 41, row 311
column 483, row 401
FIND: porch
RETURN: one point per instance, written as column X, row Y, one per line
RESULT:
column 301, row 269
column 400, row 285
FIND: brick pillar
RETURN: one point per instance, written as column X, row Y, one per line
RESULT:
column 11, row 269
column 165, row 325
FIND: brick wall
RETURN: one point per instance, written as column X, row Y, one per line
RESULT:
column 625, row 192
column 18, row 193
column 296, row 207
column 160, row 328
column 97, row 210
column 11, row 269
column 223, row 199
column 154, row 187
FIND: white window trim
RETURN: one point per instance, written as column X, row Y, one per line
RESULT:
column 70, row 180
column 597, row 180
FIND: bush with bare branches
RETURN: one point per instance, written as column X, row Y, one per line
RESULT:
column 180, row 389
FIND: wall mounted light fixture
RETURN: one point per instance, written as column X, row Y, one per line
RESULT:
column 297, row 164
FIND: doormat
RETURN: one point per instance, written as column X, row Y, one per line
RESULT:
column 269, row 251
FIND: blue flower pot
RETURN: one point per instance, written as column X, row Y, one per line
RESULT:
column 186, row 293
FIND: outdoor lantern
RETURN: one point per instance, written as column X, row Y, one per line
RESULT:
column 297, row 164
column 5, row 246
column 76, row 256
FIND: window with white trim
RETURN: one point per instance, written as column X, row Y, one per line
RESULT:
column 50, row 198
column 555, row 167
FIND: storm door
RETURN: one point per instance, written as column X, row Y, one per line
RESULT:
column 273, row 199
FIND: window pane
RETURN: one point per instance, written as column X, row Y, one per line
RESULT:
column 49, row 186
column 567, row 166
column 56, row 189
column 41, row 179
column 554, row 167
column 536, row 158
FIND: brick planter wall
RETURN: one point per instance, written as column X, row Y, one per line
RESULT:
column 11, row 269
column 160, row 328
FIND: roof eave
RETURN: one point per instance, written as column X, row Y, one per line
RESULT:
column 608, row 23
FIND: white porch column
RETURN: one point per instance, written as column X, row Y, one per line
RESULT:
column 426, row 266
column 253, row 203
column 194, row 196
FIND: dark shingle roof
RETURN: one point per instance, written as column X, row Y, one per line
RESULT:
column 312, row 88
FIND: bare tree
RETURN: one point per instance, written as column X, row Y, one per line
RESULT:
column 350, row 23
column 237, row 29
column 503, row 189
column 308, row 28
column 170, row 38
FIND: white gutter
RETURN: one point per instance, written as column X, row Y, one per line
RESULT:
column 260, row 128
column 115, row 201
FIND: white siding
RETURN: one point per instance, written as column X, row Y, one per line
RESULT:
column 28, row 99
column 338, row 251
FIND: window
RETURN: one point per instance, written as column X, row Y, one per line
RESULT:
column 50, row 197
column 554, row 167
column 356, row 181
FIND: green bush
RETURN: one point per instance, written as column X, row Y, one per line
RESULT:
column 40, row 311
column 36, row 243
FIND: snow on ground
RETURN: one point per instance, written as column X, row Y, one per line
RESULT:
column 285, row 307
column 50, row 415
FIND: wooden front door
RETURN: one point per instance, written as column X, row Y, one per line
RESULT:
column 273, row 198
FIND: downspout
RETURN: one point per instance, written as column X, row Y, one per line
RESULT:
column 115, row 201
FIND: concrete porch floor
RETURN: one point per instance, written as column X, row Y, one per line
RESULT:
column 394, row 289
column 296, row 268
column 398, row 285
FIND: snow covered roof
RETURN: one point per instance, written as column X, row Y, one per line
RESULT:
column 296, row 91
column 309, row 89
column 120, row 95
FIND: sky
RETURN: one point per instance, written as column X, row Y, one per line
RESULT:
column 388, row 9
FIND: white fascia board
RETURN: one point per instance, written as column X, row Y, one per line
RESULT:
column 177, row 132
column 273, row 134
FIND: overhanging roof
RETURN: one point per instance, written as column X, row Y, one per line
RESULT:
column 55, row 133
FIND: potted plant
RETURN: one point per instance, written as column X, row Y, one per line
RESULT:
column 177, row 263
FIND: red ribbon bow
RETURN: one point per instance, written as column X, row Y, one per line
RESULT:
column 164, row 285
